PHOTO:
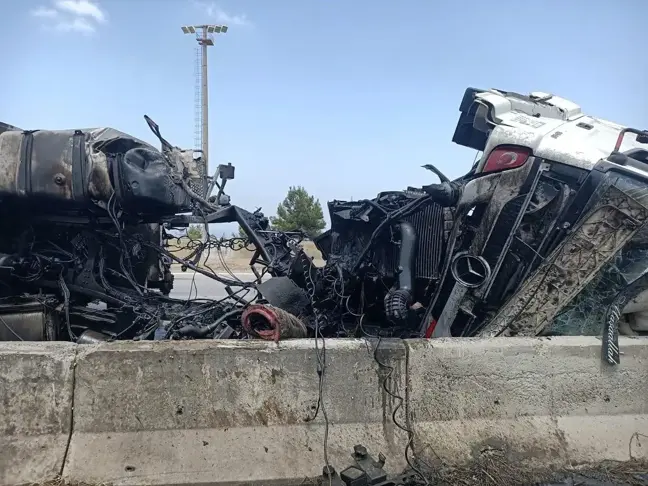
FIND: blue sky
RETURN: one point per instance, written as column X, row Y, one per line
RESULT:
column 344, row 97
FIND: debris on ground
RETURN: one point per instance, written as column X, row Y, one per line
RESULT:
column 607, row 473
column 492, row 469
column 61, row 482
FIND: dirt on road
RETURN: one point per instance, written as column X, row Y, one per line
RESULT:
column 239, row 260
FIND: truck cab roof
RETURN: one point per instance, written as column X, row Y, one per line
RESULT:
column 554, row 128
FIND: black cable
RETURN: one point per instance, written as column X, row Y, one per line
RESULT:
column 195, row 331
column 147, row 307
column 110, row 209
column 198, row 269
column 219, row 252
column 66, row 306
column 401, row 401
column 320, row 354
column 11, row 329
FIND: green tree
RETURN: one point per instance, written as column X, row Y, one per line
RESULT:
column 194, row 233
column 299, row 211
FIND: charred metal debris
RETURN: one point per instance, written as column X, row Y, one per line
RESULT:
column 545, row 234
column 367, row 471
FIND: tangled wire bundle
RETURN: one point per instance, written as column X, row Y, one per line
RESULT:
column 271, row 323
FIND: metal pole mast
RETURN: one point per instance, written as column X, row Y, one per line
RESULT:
column 205, row 37
column 205, row 100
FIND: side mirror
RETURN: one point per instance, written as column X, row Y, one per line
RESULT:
column 442, row 177
column 226, row 172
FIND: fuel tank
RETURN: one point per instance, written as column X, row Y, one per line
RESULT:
column 77, row 169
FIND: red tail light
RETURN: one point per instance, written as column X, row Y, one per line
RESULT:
column 506, row 157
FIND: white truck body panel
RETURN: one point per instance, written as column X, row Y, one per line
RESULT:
column 552, row 127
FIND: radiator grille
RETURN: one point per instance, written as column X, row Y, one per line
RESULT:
column 429, row 226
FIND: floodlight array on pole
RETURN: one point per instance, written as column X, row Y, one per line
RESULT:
column 205, row 37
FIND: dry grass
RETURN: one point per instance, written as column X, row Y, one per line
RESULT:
column 493, row 469
column 62, row 482
column 240, row 260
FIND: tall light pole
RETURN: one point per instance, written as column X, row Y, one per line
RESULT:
column 205, row 37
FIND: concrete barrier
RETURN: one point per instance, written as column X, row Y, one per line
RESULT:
column 36, row 384
column 220, row 412
column 548, row 401
column 227, row 412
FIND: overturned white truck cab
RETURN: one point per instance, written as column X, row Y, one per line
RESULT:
column 551, row 222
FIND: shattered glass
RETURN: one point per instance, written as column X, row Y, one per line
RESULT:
column 585, row 316
column 586, row 313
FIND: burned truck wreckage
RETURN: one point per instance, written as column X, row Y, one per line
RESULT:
column 545, row 234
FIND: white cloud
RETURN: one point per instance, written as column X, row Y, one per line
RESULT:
column 44, row 12
column 220, row 16
column 81, row 16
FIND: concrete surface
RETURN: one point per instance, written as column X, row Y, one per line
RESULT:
column 202, row 412
column 208, row 412
column 542, row 400
column 36, row 386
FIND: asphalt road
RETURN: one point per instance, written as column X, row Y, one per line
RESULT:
column 189, row 284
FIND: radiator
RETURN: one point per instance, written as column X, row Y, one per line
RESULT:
column 429, row 226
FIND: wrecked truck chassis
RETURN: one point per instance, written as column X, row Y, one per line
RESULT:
column 600, row 198
column 279, row 255
column 491, row 253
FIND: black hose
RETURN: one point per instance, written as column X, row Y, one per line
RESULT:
column 398, row 301
column 406, row 256
column 445, row 194
column 200, row 332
